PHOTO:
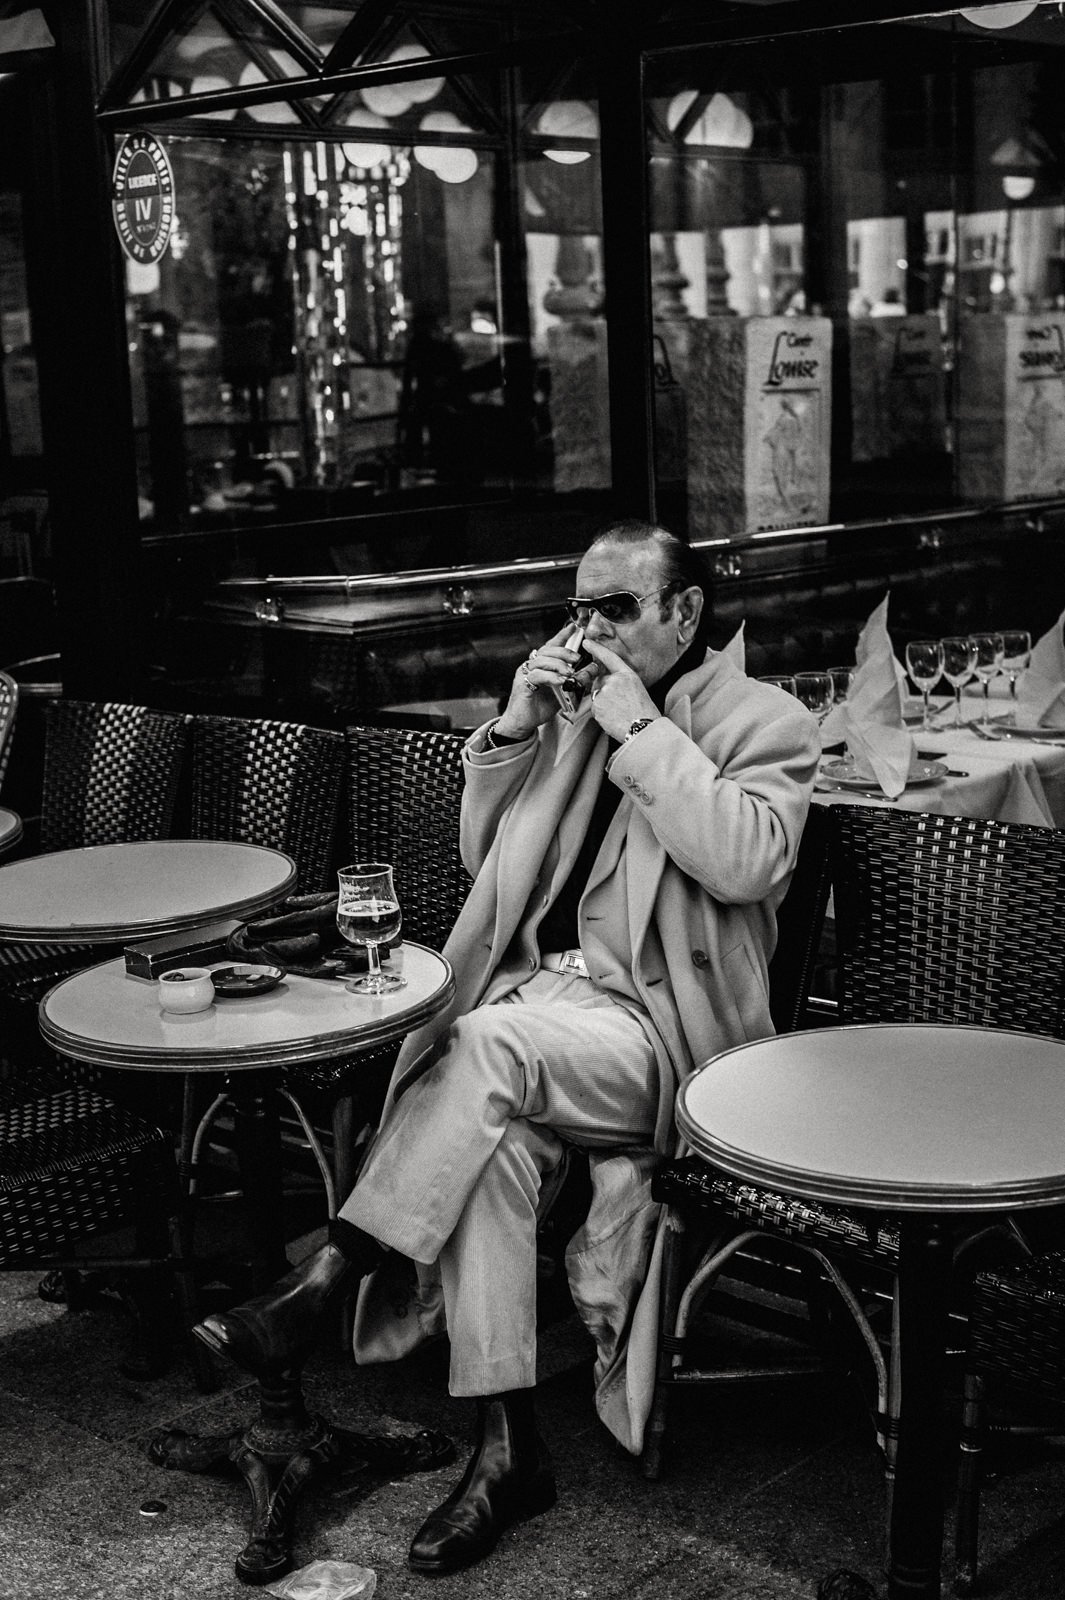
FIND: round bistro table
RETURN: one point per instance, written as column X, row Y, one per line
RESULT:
column 10, row 828
column 104, row 893
column 104, row 1016
column 927, row 1121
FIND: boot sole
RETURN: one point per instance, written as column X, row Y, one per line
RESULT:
column 540, row 1499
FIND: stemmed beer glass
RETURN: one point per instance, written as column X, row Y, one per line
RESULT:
column 368, row 913
column 988, row 665
column 924, row 663
column 959, row 662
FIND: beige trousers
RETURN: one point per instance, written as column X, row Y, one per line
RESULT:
column 456, row 1168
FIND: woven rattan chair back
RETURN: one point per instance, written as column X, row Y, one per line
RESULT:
column 404, row 797
column 8, row 710
column 269, row 783
column 111, row 773
column 800, row 923
column 948, row 919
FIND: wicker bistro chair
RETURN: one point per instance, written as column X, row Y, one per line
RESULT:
column 111, row 775
column 73, row 1164
column 404, row 793
column 8, row 711
column 1016, row 1342
column 938, row 919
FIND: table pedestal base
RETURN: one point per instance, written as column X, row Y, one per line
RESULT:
column 279, row 1454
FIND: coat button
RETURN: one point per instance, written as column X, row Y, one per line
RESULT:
column 700, row 958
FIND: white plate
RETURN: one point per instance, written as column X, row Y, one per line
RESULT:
column 843, row 773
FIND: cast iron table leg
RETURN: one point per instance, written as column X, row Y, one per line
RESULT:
column 281, row 1452
column 916, row 1532
column 257, row 1133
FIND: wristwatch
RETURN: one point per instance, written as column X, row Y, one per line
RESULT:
column 638, row 727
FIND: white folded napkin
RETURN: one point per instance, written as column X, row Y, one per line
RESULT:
column 1041, row 690
column 736, row 649
column 870, row 719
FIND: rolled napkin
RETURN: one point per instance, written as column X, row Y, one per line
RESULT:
column 1041, row 690
column 870, row 719
column 301, row 937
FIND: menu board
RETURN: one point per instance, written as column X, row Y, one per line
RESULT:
column 759, row 419
column 1011, row 406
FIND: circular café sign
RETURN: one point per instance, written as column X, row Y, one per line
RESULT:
column 143, row 197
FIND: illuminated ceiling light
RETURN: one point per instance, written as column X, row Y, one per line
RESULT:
column 387, row 99
column 279, row 111
column 1017, row 187
column 723, row 123
column 211, row 83
column 363, row 153
column 1001, row 16
column 568, row 119
column 451, row 163
column 421, row 89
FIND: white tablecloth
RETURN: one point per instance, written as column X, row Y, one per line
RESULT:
column 1016, row 780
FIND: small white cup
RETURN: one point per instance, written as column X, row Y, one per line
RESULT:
column 185, row 989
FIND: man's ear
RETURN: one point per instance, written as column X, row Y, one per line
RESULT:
column 689, row 610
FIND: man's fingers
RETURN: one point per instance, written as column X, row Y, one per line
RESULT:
column 606, row 659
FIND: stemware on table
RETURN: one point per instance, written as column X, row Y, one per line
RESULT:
column 368, row 913
column 1016, row 654
column 987, row 665
column 782, row 681
column 814, row 689
column 924, row 663
column 959, row 664
column 842, row 678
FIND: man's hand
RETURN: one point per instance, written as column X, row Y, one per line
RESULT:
column 618, row 698
column 532, row 700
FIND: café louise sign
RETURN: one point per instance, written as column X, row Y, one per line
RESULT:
column 143, row 197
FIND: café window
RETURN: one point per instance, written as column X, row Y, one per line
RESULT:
column 857, row 272
column 372, row 299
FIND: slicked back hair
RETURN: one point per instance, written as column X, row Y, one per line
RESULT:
column 681, row 566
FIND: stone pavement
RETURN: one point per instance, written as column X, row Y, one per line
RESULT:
column 766, row 1490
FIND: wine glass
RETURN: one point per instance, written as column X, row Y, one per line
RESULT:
column 368, row 914
column 1016, row 653
column 988, row 665
column 924, row 663
column 814, row 689
column 785, row 681
column 959, row 661
column 842, row 678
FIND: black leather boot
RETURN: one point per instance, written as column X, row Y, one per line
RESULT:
column 508, row 1479
column 274, row 1334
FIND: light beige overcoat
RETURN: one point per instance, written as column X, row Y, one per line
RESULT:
column 677, row 919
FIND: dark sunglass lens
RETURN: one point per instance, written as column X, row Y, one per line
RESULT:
column 618, row 607
column 574, row 609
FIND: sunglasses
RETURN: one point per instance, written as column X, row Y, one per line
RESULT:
column 621, row 607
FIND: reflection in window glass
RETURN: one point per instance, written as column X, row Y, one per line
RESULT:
column 857, row 267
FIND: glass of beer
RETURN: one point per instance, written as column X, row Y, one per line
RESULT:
column 368, row 914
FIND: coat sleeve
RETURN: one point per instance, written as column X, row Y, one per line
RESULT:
column 493, row 780
column 729, row 808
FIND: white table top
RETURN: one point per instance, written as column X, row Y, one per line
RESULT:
column 10, row 827
column 104, row 1016
column 104, row 893
column 903, row 1117
column 1015, row 780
